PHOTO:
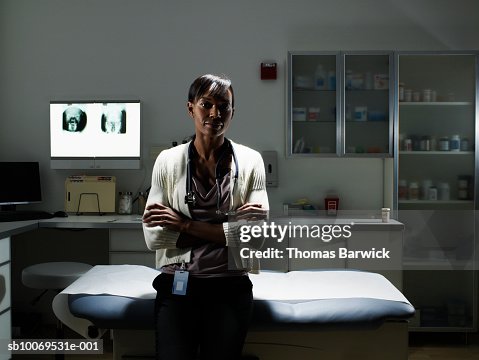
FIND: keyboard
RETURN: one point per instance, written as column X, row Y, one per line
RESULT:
column 23, row 215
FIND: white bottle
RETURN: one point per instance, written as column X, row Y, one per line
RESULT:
column 443, row 191
column 424, row 192
column 320, row 78
column 455, row 143
column 385, row 215
column 349, row 79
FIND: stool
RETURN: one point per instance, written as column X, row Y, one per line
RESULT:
column 53, row 276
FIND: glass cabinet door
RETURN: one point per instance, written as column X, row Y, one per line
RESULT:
column 436, row 195
column 368, row 99
column 340, row 103
column 313, row 103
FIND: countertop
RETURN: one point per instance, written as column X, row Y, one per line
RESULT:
column 114, row 221
column 72, row 221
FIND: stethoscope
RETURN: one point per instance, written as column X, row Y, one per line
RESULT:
column 190, row 197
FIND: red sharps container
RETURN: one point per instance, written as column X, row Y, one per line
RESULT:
column 331, row 205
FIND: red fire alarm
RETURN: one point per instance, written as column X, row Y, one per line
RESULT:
column 268, row 71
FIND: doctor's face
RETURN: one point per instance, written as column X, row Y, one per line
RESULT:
column 212, row 114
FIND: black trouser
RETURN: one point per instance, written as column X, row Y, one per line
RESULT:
column 210, row 322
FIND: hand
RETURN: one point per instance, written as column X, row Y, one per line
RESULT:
column 161, row 215
column 250, row 212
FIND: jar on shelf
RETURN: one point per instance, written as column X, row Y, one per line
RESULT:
column 464, row 187
column 427, row 95
column 413, row 191
column 464, row 144
column 432, row 193
column 416, row 96
column 424, row 192
column 407, row 95
column 443, row 191
column 455, row 143
column 125, row 203
column 408, row 144
column 425, row 144
column 444, row 144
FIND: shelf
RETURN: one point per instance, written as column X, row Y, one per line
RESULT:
column 367, row 121
column 314, row 121
column 442, row 328
column 314, row 90
column 428, row 202
column 437, row 264
column 360, row 90
column 437, row 103
column 436, row 152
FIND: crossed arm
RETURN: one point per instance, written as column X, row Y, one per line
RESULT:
column 196, row 232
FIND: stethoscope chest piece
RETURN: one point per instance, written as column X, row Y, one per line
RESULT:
column 190, row 198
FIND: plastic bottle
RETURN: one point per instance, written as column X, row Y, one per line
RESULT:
column 331, row 80
column 455, row 143
column 320, row 78
column 432, row 193
column 444, row 144
column 349, row 79
column 443, row 191
column 385, row 215
column 424, row 191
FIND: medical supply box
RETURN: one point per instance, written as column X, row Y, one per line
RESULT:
column 90, row 194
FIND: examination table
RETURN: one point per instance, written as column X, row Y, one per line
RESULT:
column 327, row 314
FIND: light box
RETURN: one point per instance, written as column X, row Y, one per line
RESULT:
column 95, row 134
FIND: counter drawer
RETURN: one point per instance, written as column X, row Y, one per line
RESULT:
column 5, row 290
column 127, row 240
column 4, row 250
column 133, row 258
column 5, row 330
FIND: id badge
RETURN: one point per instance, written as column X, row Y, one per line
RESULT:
column 180, row 282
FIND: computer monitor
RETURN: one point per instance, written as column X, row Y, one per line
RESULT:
column 19, row 184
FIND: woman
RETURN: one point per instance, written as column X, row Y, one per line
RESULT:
column 204, row 301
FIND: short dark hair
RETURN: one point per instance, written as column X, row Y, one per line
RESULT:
column 213, row 85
